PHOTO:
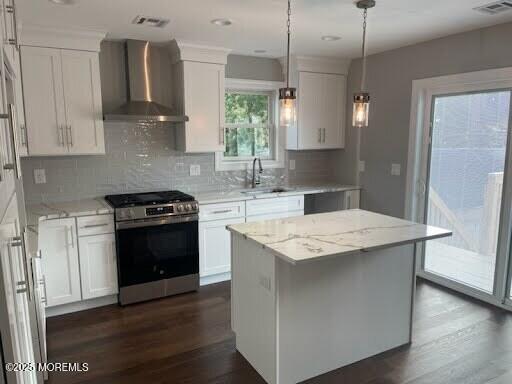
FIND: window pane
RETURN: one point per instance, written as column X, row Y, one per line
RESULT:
column 245, row 108
column 247, row 142
column 469, row 139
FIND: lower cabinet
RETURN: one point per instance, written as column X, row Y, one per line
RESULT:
column 215, row 246
column 98, row 265
column 61, row 266
column 78, row 264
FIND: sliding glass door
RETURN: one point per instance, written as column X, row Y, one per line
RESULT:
column 468, row 158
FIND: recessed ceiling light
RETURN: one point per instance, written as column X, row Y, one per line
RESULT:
column 63, row 2
column 221, row 22
column 260, row 51
column 330, row 38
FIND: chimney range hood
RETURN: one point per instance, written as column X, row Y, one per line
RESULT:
column 141, row 105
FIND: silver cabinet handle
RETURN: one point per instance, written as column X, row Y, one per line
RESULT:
column 60, row 134
column 16, row 241
column 14, row 165
column 222, row 211
column 70, row 228
column 24, row 135
column 94, row 225
column 319, row 135
column 323, row 141
column 42, row 282
column 22, row 290
column 70, row 135
column 12, row 9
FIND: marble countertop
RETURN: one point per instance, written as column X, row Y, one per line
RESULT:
column 212, row 197
column 312, row 237
column 48, row 211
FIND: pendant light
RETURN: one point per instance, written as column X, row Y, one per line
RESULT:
column 362, row 99
column 287, row 96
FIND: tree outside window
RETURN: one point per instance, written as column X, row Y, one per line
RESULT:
column 249, row 129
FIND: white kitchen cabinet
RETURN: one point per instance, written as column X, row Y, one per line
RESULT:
column 321, row 112
column 59, row 247
column 273, row 205
column 215, row 246
column 21, row 136
column 10, row 35
column 62, row 98
column 98, row 266
column 201, row 90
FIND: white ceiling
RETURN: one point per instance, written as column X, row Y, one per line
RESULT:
column 260, row 24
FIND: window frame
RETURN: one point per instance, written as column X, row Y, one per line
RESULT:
column 276, row 136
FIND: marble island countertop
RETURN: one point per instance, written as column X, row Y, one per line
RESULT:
column 312, row 237
column 211, row 197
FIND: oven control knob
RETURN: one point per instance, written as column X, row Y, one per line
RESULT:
column 195, row 206
column 181, row 208
column 188, row 207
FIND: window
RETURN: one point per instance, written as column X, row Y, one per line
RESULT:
column 250, row 126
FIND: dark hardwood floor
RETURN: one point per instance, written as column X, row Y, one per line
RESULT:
column 187, row 339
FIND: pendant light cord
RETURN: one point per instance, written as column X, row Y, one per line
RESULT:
column 288, row 46
column 363, row 74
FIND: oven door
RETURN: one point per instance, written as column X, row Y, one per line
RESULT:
column 154, row 249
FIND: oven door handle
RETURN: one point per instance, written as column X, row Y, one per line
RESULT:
column 155, row 222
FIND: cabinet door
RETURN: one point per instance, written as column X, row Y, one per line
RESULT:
column 44, row 100
column 98, row 266
column 82, row 95
column 215, row 246
column 204, row 106
column 334, row 106
column 311, row 110
column 9, row 33
column 58, row 244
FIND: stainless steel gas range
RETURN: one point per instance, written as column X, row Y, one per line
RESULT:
column 157, row 244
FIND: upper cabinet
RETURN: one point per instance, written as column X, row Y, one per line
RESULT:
column 10, row 30
column 199, row 74
column 321, row 103
column 62, row 94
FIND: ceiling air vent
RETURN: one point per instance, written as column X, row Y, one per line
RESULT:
column 150, row 21
column 495, row 7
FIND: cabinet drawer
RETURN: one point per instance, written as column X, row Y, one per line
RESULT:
column 95, row 225
column 222, row 211
column 275, row 205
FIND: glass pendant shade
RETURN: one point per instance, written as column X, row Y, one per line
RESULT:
column 287, row 106
column 361, row 110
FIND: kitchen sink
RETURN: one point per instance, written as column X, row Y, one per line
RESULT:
column 259, row 191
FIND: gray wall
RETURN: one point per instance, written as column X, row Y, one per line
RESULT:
column 143, row 158
column 390, row 76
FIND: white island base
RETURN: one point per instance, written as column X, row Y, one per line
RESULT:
column 296, row 319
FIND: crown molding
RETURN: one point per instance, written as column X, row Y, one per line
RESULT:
column 317, row 64
column 52, row 37
column 186, row 51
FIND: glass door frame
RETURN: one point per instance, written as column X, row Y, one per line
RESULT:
column 424, row 93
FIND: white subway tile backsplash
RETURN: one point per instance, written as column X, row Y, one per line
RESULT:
column 143, row 158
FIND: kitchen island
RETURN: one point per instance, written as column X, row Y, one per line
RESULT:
column 314, row 293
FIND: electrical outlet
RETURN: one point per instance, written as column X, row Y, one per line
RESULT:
column 395, row 169
column 39, row 176
column 195, row 170
column 362, row 165
column 291, row 165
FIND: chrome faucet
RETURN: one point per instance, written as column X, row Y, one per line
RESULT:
column 256, row 178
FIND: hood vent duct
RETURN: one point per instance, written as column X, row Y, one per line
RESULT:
column 141, row 89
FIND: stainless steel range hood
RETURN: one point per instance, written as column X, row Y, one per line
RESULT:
column 141, row 89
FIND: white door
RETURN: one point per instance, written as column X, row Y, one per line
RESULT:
column 215, row 246
column 84, row 120
column 98, row 266
column 334, row 107
column 44, row 100
column 311, row 110
column 58, row 244
column 204, row 106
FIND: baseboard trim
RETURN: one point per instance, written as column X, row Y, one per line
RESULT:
column 206, row 280
column 81, row 305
